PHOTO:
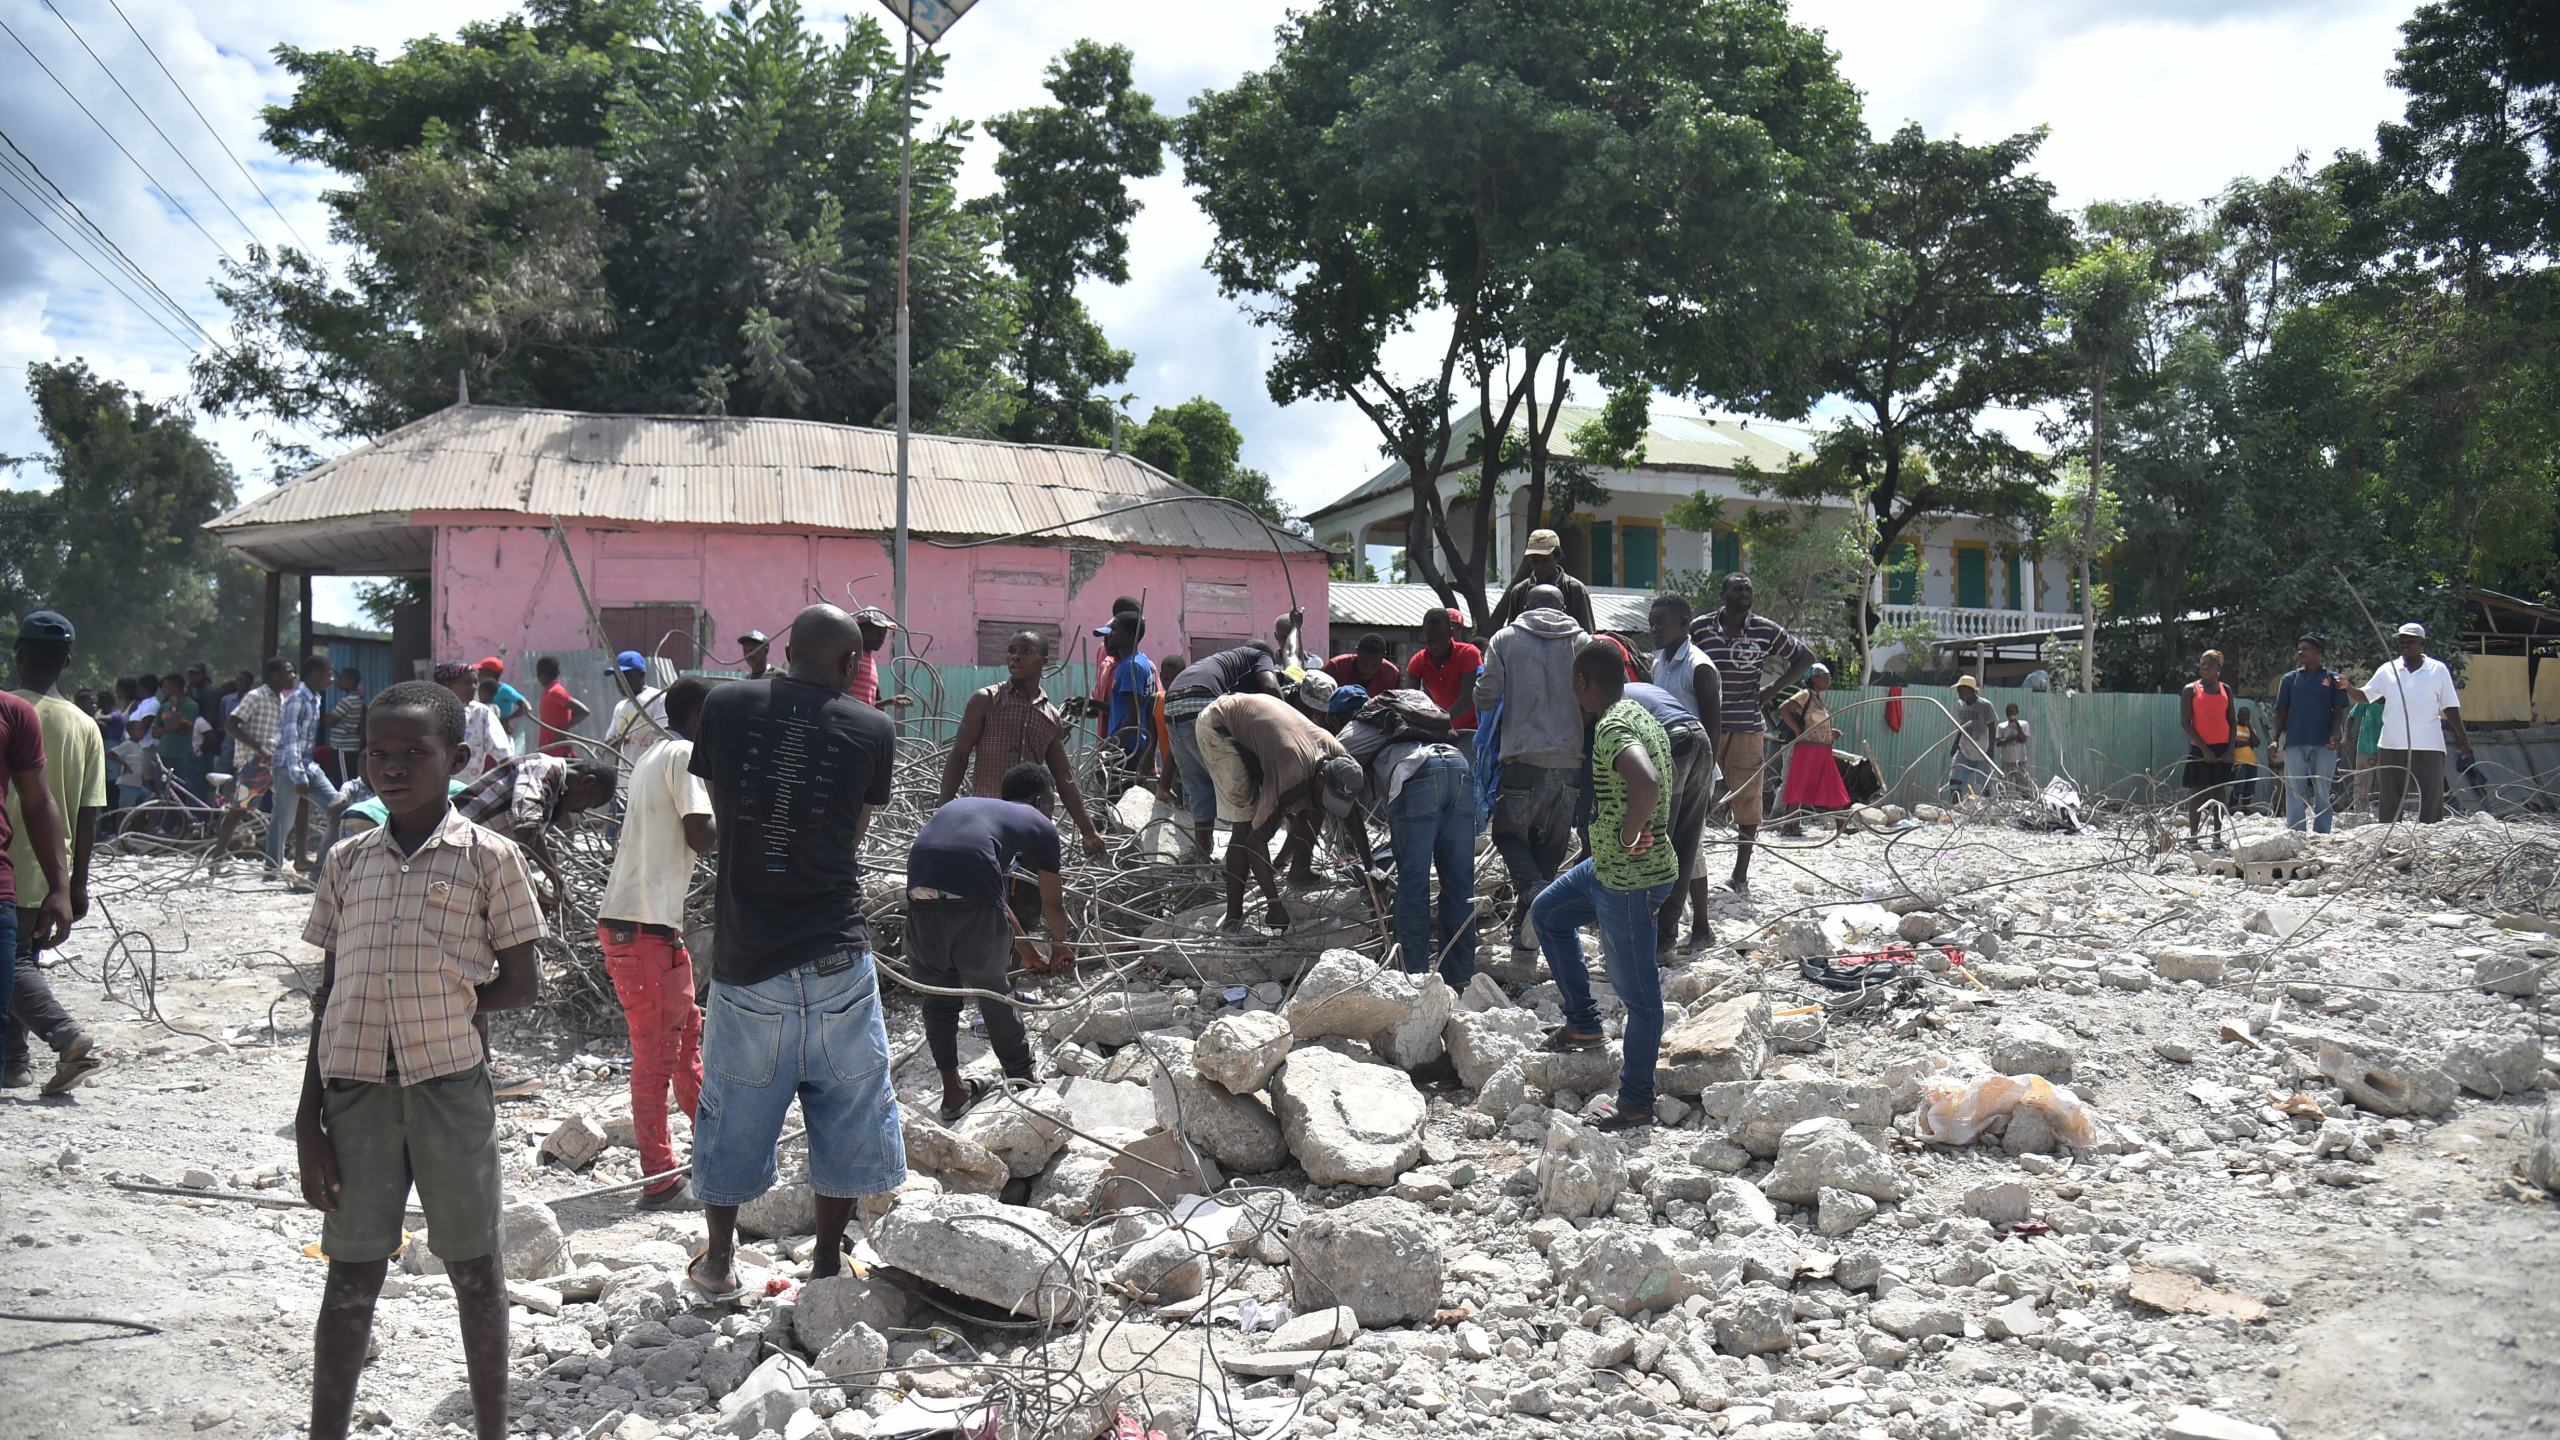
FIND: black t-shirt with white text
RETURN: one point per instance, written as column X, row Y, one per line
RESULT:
column 791, row 766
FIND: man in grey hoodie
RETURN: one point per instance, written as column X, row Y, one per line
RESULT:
column 1528, row 670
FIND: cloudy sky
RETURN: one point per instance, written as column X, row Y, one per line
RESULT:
column 2168, row 98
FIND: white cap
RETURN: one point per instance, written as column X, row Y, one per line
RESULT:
column 2413, row 631
column 1316, row 691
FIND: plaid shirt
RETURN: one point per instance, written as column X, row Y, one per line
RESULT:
column 522, row 794
column 415, row 936
column 297, row 729
column 256, row 717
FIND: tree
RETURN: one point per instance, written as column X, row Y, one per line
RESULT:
column 118, row 544
column 1952, row 326
column 1064, row 218
column 2100, row 301
column 1197, row 443
column 616, row 205
column 1648, row 194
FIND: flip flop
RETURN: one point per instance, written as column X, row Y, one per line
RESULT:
column 978, row 1090
column 716, row 1297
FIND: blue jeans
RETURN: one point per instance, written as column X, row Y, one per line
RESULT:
column 1433, row 825
column 287, row 802
column 1198, row 790
column 2309, row 772
column 819, row 1038
column 1625, row 921
column 8, row 954
column 1968, row 771
column 1532, row 824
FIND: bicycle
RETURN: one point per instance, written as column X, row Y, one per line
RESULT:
column 177, row 816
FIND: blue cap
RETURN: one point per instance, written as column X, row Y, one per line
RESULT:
column 630, row 660
column 1347, row 697
column 44, row 625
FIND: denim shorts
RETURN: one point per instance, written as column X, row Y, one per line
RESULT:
column 817, row 1037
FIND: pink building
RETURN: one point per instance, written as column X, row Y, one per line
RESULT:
column 685, row 532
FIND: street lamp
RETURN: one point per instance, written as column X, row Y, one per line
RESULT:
column 928, row 19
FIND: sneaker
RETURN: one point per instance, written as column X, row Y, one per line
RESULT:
column 506, row 1085
column 675, row 1195
column 1612, row 1120
column 77, row 1063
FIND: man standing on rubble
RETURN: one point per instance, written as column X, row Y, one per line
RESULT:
column 2311, row 714
column 1740, row 642
column 1539, row 566
column 75, row 775
column 1250, row 669
column 2420, row 708
column 794, row 764
column 640, row 924
column 1618, row 890
column 1528, row 671
column 2206, row 708
column 1015, row 723
column 1683, row 670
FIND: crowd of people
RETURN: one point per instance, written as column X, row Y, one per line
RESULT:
column 422, row 815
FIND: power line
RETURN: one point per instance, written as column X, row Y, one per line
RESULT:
column 147, row 119
column 165, row 192
column 234, row 155
column 147, row 313
column 59, row 200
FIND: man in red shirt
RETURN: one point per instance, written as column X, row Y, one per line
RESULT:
column 559, row 710
column 22, row 777
column 1445, row 668
column 1369, row 668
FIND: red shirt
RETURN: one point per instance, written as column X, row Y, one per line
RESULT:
column 21, row 753
column 555, row 709
column 1450, row 683
column 1344, row 668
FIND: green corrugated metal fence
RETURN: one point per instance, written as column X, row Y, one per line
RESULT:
column 2119, row 745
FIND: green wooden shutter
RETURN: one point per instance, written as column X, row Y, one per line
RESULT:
column 1644, row 555
column 2017, row 582
column 1973, row 578
column 1724, row 552
column 1604, row 536
column 1902, row 583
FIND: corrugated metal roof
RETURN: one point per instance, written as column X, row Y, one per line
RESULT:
column 1361, row 604
column 671, row 469
column 1673, row 441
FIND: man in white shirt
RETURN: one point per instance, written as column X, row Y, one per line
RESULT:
column 481, row 728
column 640, row 716
column 2419, row 707
column 640, row 923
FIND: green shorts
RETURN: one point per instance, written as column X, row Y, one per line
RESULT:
column 441, row 1135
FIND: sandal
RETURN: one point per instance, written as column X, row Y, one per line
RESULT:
column 716, row 1297
column 978, row 1090
column 1563, row 1041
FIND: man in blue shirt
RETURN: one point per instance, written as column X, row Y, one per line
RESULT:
column 1132, row 719
column 2311, row 711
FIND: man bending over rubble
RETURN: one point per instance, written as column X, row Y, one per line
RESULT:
column 1267, row 762
column 960, row 931
column 430, row 922
column 795, row 765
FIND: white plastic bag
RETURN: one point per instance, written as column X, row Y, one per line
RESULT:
column 1957, row 1112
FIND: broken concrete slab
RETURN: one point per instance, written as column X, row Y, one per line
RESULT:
column 574, row 1142
column 2178, row 963
column 1022, row 1128
column 1480, row 1042
column 1238, row 1131
column 1112, row 1019
column 960, row 1163
column 1828, row 1153
column 1580, row 1172
column 2493, row 1065
column 1152, row 1170
column 1400, row 1016
column 1348, row 1123
column 1008, row 1255
column 1381, row 1257
column 1724, row 1043
column 2383, row 1078
column 530, row 1242
column 2022, row 1046
column 1755, row 1114
column 830, row 1306
column 1629, row 1270
column 1240, row 1051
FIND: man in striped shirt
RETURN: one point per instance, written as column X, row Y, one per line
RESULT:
column 301, row 787
column 1741, row 642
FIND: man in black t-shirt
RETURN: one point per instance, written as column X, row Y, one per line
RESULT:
column 794, row 765
column 960, row 932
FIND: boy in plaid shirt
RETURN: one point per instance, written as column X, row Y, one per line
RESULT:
column 426, row 922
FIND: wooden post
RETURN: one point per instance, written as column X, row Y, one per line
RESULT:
column 270, row 628
column 308, row 620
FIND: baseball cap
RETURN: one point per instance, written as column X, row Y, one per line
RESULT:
column 492, row 663
column 755, row 637
column 44, row 625
column 1348, row 698
column 2413, row 631
column 1343, row 782
column 629, row 660
column 1316, row 691
column 1542, row 542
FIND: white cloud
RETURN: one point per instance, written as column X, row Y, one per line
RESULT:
column 2171, row 98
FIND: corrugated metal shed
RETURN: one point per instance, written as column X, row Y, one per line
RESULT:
column 685, row 470
column 1370, row 605
column 1673, row 441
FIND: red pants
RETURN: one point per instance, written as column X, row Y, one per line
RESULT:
column 653, row 977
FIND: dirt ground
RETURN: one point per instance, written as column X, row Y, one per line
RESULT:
column 2420, row 1303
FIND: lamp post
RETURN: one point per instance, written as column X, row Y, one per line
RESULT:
column 927, row 19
